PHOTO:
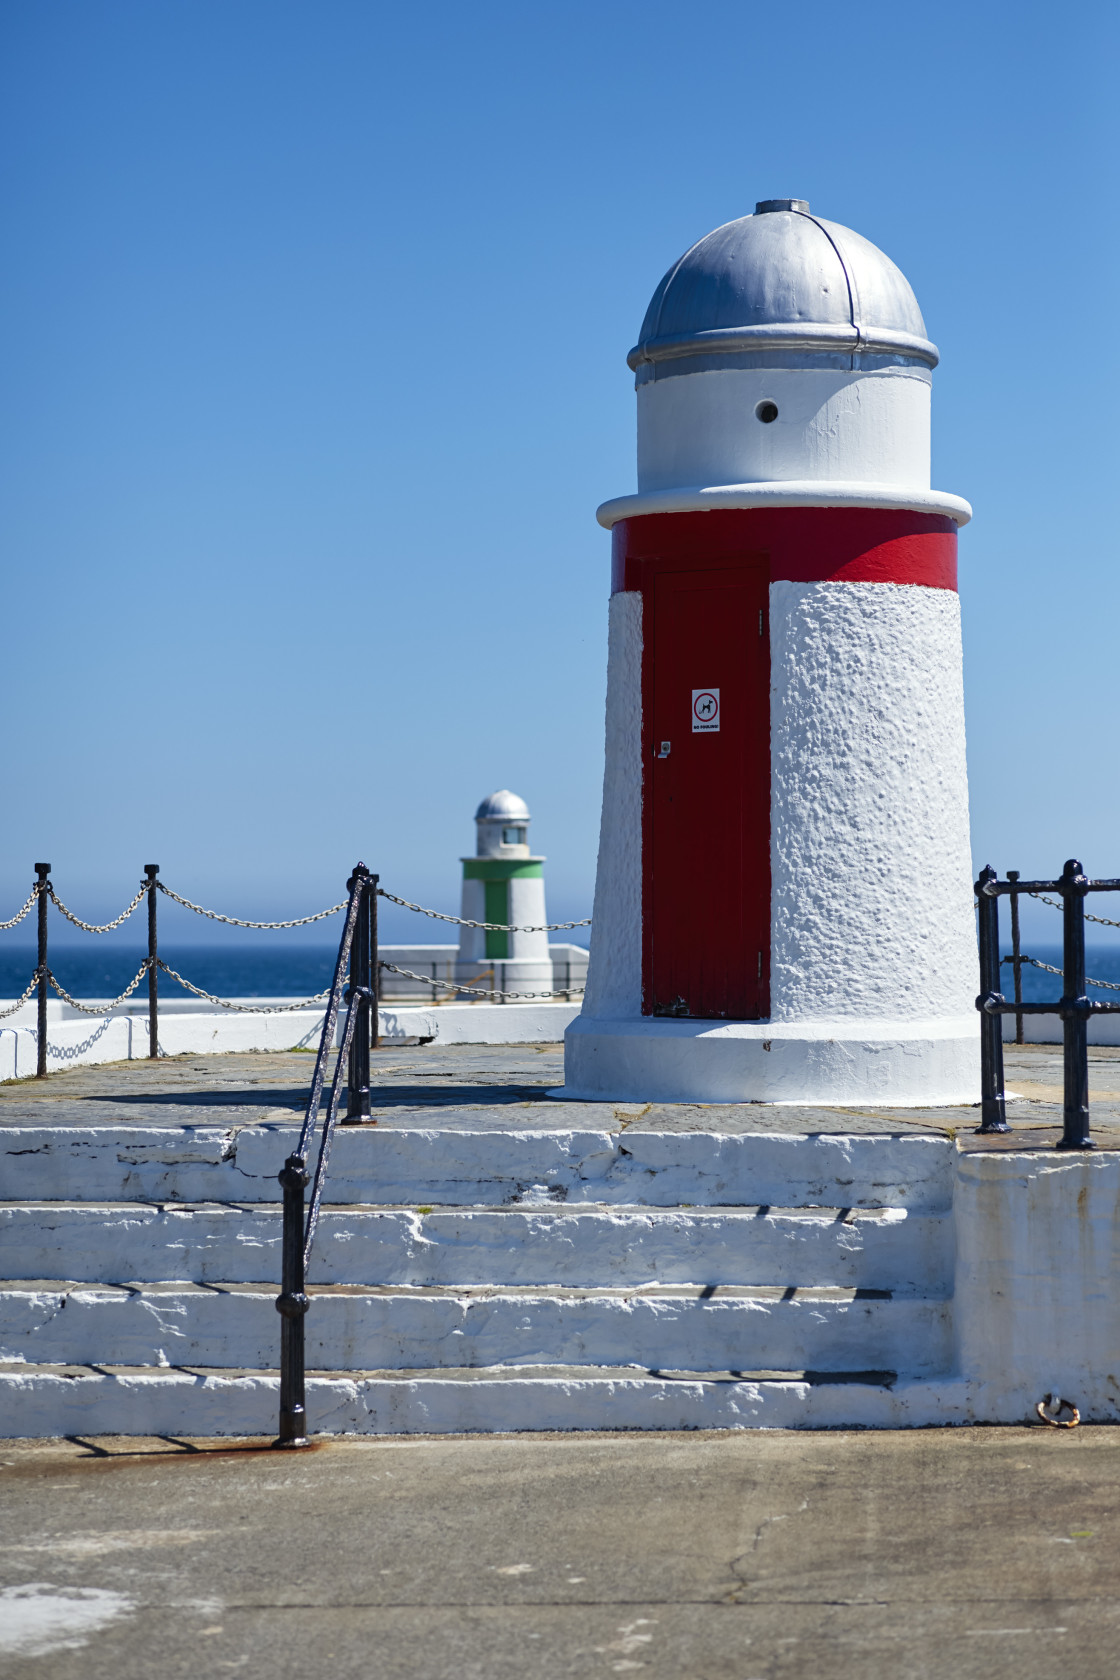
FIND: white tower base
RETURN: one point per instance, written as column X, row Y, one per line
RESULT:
column 881, row 1063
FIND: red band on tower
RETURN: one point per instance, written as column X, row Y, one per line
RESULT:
column 804, row 545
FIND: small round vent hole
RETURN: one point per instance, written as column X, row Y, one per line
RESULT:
column 766, row 412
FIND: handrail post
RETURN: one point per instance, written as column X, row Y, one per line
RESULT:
column 42, row 870
column 1016, row 955
column 292, row 1304
column 151, row 870
column 1075, row 1010
column 993, row 1107
column 374, row 968
column 361, row 997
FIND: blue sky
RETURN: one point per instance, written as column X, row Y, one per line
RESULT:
column 313, row 330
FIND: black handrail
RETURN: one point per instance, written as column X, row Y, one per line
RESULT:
column 357, row 953
column 1073, row 1006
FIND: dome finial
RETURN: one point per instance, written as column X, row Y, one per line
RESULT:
column 766, row 206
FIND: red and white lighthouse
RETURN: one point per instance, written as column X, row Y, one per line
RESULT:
column 783, row 909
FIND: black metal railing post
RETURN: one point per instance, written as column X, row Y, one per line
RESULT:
column 42, row 870
column 374, row 968
column 993, row 1107
column 292, row 1304
column 1075, row 1009
column 151, row 870
column 362, row 994
column 298, row 1233
column 1016, row 954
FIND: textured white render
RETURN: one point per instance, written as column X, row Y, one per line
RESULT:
column 614, row 982
column 701, row 428
column 872, row 879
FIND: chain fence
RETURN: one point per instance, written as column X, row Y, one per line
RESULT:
column 487, row 927
column 19, row 1003
column 244, row 1008
column 1056, row 904
column 101, row 1008
column 90, row 927
column 20, row 914
column 44, row 978
column 1048, row 968
column 236, row 921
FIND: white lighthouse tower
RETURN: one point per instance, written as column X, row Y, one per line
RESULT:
column 504, row 884
column 783, row 910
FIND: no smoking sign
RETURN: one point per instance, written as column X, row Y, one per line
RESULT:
column 705, row 710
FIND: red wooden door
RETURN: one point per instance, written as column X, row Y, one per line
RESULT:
column 706, row 847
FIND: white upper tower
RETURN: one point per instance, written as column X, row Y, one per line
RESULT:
column 780, row 354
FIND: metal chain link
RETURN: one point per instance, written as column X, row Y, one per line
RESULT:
column 244, row 1008
column 235, row 921
column 101, row 1008
column 488, row 927
column 18, row 917
column 1105, row 985
column 1055, row 904
column 89, row 927
column 476, row 991
column 23, row 999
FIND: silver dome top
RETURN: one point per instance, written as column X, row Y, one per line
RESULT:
column 777, row 282
column 502, row 806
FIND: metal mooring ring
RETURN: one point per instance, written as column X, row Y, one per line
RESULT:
column 1054, row 1403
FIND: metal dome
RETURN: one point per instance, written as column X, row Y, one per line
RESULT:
column 502, row 806
column 780, row 281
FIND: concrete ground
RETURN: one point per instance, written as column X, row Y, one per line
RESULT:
column 747, row 1556
column 505, row 1086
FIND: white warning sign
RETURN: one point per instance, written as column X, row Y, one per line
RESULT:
column 705, row 710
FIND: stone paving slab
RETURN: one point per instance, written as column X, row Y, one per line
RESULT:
column 505, row 1088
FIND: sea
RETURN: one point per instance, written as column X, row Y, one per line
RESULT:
column 229, row 971
column 233, row 971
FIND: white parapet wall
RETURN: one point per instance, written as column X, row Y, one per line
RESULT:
column 1037, row 1310
column 119, row 1038
column 1047, row 1029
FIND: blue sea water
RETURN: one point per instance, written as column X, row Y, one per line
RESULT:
column 102, row 970
column 226, row 970
column 1102, row 962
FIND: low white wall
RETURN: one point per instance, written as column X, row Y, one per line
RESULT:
column 119, row 1038
column 1037, row 1308
column 479, row 1023
column 1047, row 1029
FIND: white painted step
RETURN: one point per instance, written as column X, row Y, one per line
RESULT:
column 454, row 1166
column 348, row 1327
column 75, row 1400
column 574, row 1244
